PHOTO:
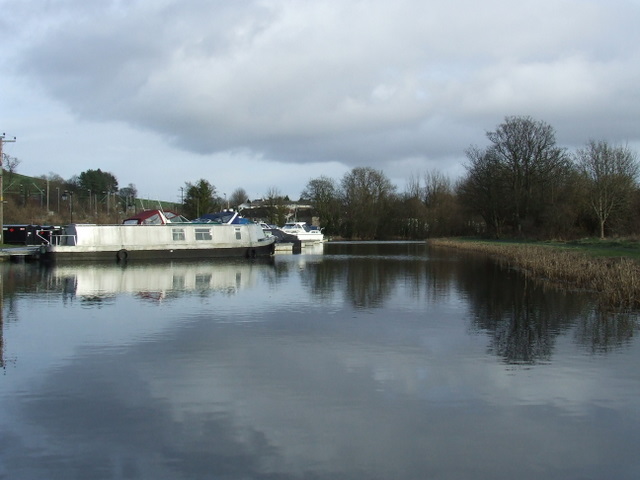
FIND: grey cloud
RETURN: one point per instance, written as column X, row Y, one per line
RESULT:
column 350, row 82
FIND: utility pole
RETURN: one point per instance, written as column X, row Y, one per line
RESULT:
column 3, row 140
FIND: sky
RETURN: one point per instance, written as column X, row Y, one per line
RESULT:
column 269, row 94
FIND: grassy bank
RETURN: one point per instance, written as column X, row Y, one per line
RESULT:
column 612, row 271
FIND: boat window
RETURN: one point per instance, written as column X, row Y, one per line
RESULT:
column 175, row 218
column 203, row 280
column 203, row 234
column 238, row 234
column 154, row 219
column 179, row 282
column 178, row 234
column 218, row 218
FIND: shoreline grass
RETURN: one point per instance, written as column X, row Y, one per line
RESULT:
column 610, row 271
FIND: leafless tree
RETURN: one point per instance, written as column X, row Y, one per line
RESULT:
column 10, row 164
column 610, row 173
column 323, row 194
column 238, row 197
column 527, row 149
column 485, row 187
column 526, row 163
column 440, row 202
column 275, row 206
column 366, row 196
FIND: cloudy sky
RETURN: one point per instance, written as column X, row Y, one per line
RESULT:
column 272, row 93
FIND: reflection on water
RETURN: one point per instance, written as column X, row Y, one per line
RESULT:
column 155, row 281
column 353, row 361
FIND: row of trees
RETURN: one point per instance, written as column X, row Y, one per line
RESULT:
column 202, row 197
column 521, row 184
column 92, row 196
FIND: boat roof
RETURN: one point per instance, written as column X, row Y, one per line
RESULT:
column 226, row 216
column 155, row 217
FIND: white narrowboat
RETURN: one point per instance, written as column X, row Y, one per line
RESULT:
column 156, row 234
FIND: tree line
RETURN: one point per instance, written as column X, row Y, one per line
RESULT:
column 521, row 184
column 91, row 196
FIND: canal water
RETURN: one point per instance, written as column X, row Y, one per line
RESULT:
column 350, row 361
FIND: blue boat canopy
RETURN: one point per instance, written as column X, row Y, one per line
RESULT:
column 225, row 217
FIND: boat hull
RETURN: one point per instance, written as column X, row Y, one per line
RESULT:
column 304, row 234
column 310, row 238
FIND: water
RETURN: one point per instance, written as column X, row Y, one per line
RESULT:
column 362, row 361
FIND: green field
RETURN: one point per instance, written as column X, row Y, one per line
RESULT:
column 610, row 248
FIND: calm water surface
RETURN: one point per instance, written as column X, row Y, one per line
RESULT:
column 356, row 361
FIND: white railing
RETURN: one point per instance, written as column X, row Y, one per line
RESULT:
column 45, row 241
column 57, row 239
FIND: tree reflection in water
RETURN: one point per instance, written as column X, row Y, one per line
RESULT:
column 521, row 316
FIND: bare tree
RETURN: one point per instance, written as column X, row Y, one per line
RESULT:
column 366, row 197
column 10, row 164
column 238, row 197
column 527, row 151
column 484, row 188
column 440, row 203
column 414, row 187
column 414, row 223
column 54, row 178
column 610, row 174
column 275, row 206
column 127, row 196
column 324, row 196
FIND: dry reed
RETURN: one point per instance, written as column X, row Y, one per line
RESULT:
column 616, row 281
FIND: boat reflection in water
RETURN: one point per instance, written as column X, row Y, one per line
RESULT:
column 156, row 281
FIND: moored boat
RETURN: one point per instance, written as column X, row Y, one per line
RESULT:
column 305, row 233
column 162, row 237
column 285, row 242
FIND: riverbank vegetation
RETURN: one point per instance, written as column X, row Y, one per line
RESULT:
column 609, row 270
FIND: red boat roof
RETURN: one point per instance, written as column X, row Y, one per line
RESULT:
column 154, row 217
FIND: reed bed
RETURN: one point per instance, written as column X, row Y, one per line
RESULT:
column 616, row 281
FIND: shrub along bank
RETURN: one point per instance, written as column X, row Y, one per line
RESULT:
column 611, row 270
